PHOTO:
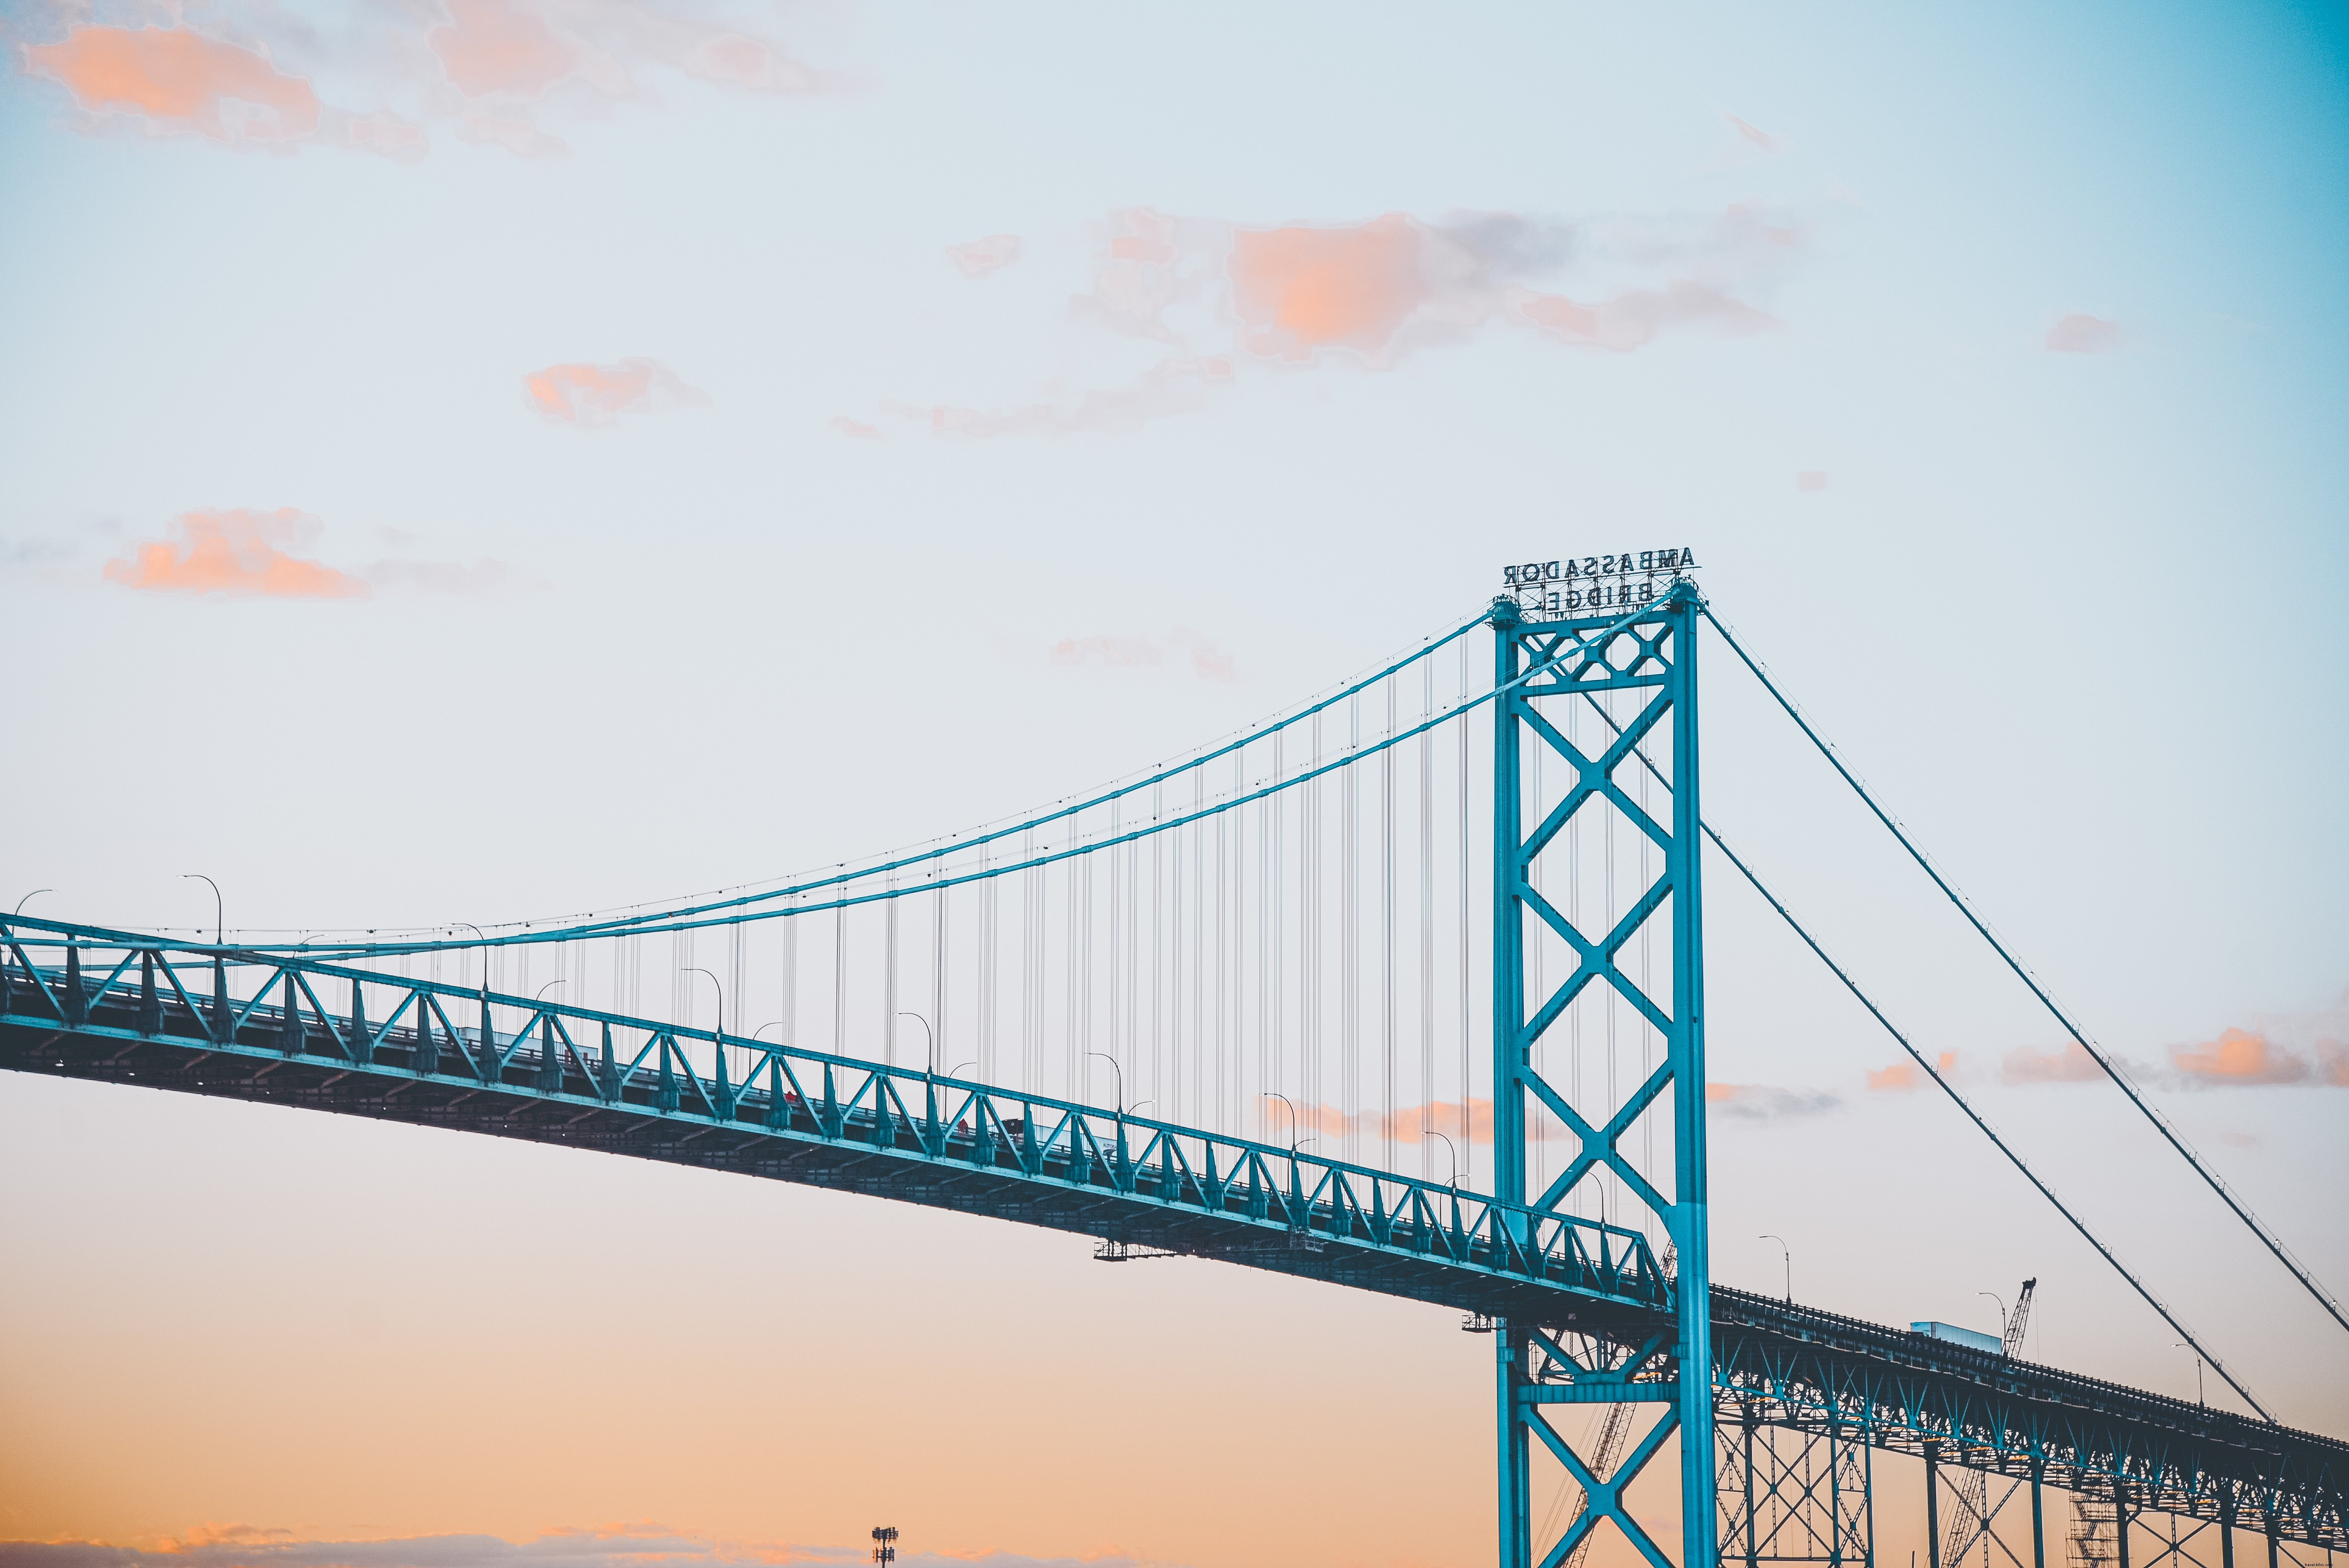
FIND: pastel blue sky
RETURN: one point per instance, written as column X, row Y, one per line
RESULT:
column 638, row 405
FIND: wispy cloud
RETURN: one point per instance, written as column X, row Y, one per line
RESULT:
column 1753, row 136
column 1224, row 299
column 590, row 397
column 492, row 70
column 1180, row 644
column 2077, row 334
column 602, row 1546
column 2069, row 1064
column 1767, row 1102
column 241, row 553
column 855, row 429
column 980, row 257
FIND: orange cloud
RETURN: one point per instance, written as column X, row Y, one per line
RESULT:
column 180, row 81
column 2069, row 1065
column 2238, row 1057
column 588, row 396
column 1297, row 290
column 1902, row 1075
column 265, row 554
column 2333, row 1062
column 2077, row 334
column 981, row 257
column 237, row 552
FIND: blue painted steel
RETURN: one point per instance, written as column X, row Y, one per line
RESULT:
column 1651, row 653
column 838, row 1121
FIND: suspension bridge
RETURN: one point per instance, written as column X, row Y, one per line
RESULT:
column 1455, row 903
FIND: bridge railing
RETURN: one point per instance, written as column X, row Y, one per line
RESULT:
column 83, row 980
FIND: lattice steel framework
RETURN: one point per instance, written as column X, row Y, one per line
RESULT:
column 1793, row 1491
column 1636, row 666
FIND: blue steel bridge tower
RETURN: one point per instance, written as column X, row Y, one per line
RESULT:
column 1615, row 665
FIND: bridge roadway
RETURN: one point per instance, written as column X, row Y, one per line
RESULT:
column 121, row 1010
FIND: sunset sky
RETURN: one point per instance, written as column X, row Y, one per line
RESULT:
column 477, row 458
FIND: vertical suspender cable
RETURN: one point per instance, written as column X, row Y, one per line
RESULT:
column 889, row 969
column 839, row 981
column 990, row 894
column 1276, row 926
column 1467, row 1077
column 939, row 915
column 1350, row 930
column 1387, row 939
column 1426, row 918
column 1117, row 936
column 791, row 966
column 1158, row 1085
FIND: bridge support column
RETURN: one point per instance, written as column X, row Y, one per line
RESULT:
column 1623, row 674
column 2039, row 1517
column 1933, row 1503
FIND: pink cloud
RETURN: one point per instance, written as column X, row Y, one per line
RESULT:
column 1634, row 319
column 980, row 257
column 179, row 82
column 2077, row 334
column 857, row 429
column 1206, row 660
column 1228, row 298
column 2238, row 1057
column 593, row 396
column 1811, row 480
column 1755, row 138
column 500, row 47
column 237, row 553
column 491, row 70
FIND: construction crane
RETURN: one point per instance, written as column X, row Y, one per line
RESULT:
column 1970, row 1521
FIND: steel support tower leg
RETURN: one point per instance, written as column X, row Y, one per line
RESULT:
column 1932, row 1503
column 2039, row 1516
column 1636, row 664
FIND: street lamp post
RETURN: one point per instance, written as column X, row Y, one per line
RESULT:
column 1789, row 1261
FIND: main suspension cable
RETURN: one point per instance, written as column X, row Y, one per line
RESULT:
column 2112, row 1070
column 1960, row 1100
column 1974, row 1116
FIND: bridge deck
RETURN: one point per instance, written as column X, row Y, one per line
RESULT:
column 955, row 1145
